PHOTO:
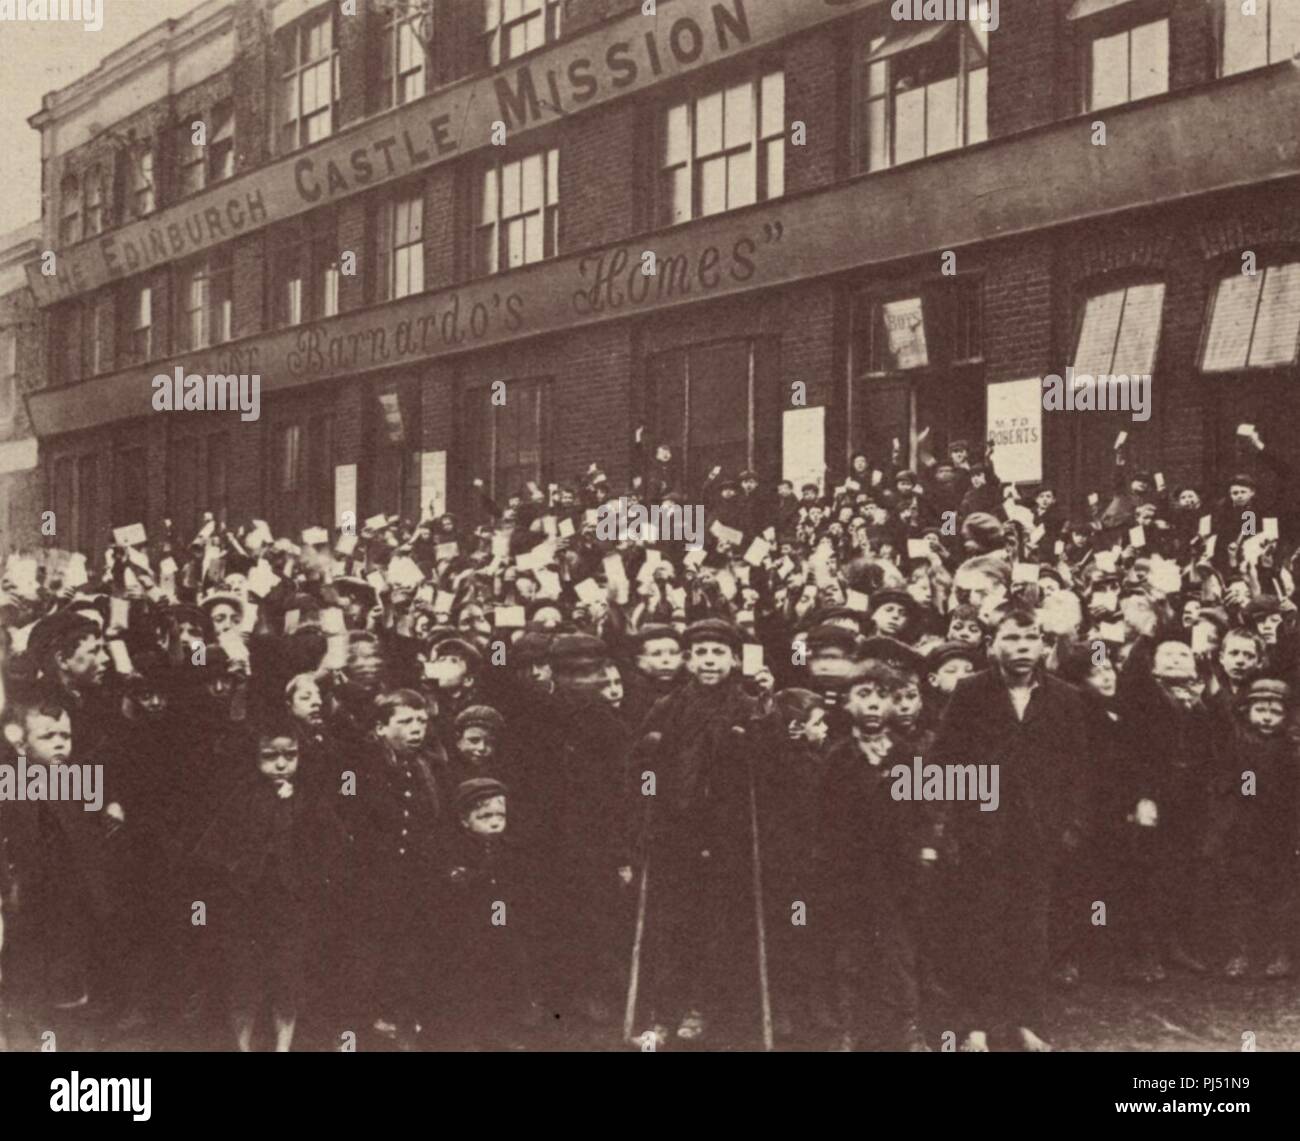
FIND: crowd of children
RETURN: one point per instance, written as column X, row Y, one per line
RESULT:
column 471, row 782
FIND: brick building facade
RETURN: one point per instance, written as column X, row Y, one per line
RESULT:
column 22, row 367
column 865, row 148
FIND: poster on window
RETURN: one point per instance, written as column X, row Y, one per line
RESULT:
column 433, row 483
column 803, row 447
column 345, row 494
column 1015, row 426
column 905, row 334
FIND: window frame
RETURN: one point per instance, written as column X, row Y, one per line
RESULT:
column 94, row 190
column 1221, row 39
column 497, row 27
column 70, row 217
column 1280, row 260
column 212, row 274
column 970, row 40
column 305, row 252
column 1109, row 29
column 141, row 180
column 490, row 247
column 399, row 26
column 141, row 300
column 1104, row 289
column 295, row 43
column 759, row 146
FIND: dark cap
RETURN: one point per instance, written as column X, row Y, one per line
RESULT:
column 948, row 651
column 884, row 597
column 898, row 655
column 458, row 648
column 712, row 630
column 830, row 637
column 481, row 715
column 653, row 631
column 476, row 790
column 1266, row 689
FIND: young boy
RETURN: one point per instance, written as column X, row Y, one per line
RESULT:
column 1252, row 833
column 871, row 853
column 277, row 856
column 63, row 906
column 477, row 732
column 697, row 837
column 399, row 820
column 488, row 919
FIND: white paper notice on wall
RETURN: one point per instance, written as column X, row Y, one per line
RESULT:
column 803, row 446
column 345, row 494
column 1015, row 425
column 433, row 482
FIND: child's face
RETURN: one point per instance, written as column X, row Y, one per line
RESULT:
column 813, row 730
column 224, row 617
column 1101, row 679
column 277, row 757
column 151, row 702
column 711, row 663
column 965, row 630
column 1266, row 716
column 405, row 728
column 869, row 703
column 47, row 740
column 487, row 817
column 890, row 618
column 306, row 703
column 907, row 704
column 946, row 677
column 476, row 744
column 661, row 658
column 1268, row 626
column 612, row 690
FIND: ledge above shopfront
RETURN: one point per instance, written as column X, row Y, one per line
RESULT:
column 1234, row 133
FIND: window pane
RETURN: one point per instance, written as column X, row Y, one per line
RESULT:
column 775, row 168
column 553, row 177
column 534, row 238
column 1245, row 38
column 533, row 183
column 1151, row 59
column 977, row 106
column 679, row 195
column 491, row 14
column 708, row 124
column 773, row 102
column 1284, row 31
column 1278, row 326
column 713, row 186
column 909, row 125
column 738, row 116
column 415, row 218
column 1139, row 334
column 511, row 193
column 1228, row 340
column 741, row 189
column 1109, row 71
column 877, row 73
column 515, row 243
column 677, row 137
column 877, row 136
column 488, row 207
column 941, row 116
column 1096, row 348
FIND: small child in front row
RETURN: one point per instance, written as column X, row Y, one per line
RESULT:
column 488, row 990
column 276, row 855
column 1252, row 833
